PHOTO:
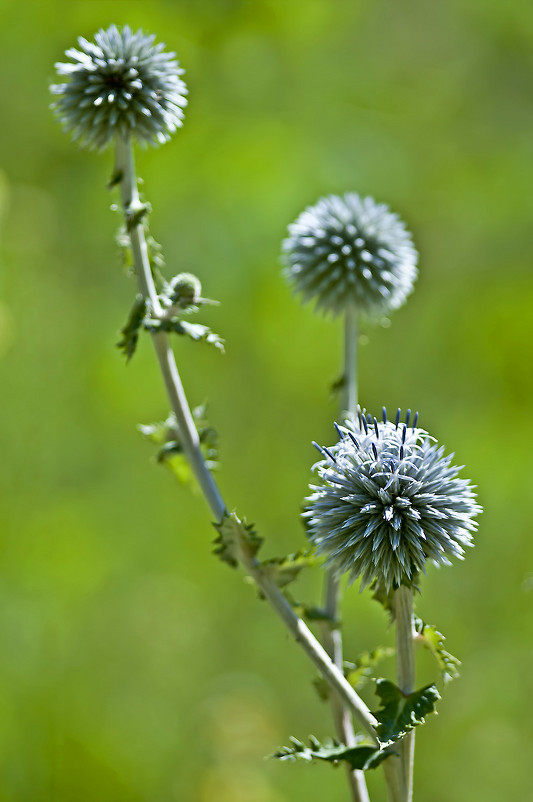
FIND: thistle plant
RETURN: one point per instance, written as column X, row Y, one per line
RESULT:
column 387, row 500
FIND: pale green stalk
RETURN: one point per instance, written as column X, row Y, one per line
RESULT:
column 405, row 675
column 332, row 637
column 125, row 168
column 125, row 173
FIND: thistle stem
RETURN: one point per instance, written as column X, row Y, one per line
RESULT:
column 351, row 352
column 125, row 167
column 125, row 172
column 332, row 638
column 405, row 675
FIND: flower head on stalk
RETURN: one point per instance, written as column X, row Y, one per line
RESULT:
column 351, row 251
column 121, row 83
column 389, row 501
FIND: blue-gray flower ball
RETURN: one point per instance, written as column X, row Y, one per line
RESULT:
column 351, row 252
column 122, row 83
column 389, row 501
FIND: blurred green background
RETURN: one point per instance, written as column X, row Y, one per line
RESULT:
column 134, row 665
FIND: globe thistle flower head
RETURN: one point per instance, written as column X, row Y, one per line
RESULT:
column 389, row 500
column 122, row 83
column 351, row 252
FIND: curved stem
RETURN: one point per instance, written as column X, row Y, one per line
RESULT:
column 405, row 674
column 125, row 173
column 125, row 168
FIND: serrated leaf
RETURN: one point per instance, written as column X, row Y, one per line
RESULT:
column 360, row 756
column 130, row 332
column 234, row 538
column 195, row 331
column 359, row 671
column 434, row 641
column 284, row 570
column 401, row 712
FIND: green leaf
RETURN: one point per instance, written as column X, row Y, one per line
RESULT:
column 130, row 332
column 195, row 331
column 234, row 538
column 360, row 756
column 165, row 434
column 402, row 712
column 160, row 432
column 178, row 465
column 284, row 570
column 116, row 178
column 357, row 673
column 434, row 641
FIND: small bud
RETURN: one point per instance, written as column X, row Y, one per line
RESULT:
column 184, row 291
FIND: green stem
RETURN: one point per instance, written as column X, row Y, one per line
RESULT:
column 405, row 674
column 125, row 170
column 125, row 167
column 342, row 717
column 351, row 351
column 332, row 638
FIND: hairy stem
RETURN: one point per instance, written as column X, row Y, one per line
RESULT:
column 125, row 174
column 405, row 674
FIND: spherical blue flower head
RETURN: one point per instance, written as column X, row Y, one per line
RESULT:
column 122, row 83
column 351, row 251
column 389, row 501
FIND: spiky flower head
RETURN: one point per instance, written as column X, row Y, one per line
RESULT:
column 122, row 83
column 388, row 502
column 351, row 251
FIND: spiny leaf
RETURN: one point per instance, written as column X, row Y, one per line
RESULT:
column 402, row 712
column 284, row 570
column 358, row 672
column 195, row 331
column 361, row 756
column 234, row 537
column 434, row 641
column 130, row 332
